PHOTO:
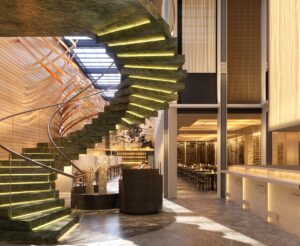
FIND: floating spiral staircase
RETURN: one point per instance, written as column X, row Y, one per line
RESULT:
column 146, row 55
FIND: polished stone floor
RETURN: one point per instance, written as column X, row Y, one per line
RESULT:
column 194, row 218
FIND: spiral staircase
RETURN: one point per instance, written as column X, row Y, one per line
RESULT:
column 146, row 55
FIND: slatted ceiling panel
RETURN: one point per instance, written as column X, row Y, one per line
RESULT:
column 25, row 84
column 199, row 35
column 244, row 51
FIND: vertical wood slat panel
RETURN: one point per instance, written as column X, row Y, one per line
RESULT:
column 199, row 35
column 284, row 63
column 244, row 51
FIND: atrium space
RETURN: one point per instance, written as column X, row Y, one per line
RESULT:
column 150, row 122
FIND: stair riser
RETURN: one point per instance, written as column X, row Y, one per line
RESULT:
column 6, row 199
column 38, row 236
column 15, row 198
column 36, row 156
column 22, row 163
column 39, row 150
column 42, row 178
column 25, row 187
column 21, row 210
column 19, row 225
column 22, row 170
column 35, row 208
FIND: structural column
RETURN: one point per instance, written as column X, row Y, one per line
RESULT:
column 170, row 153
column 222, row 95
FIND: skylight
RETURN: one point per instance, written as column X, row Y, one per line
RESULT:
column 93, row 61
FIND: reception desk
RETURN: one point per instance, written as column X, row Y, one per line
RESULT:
column 270, row 192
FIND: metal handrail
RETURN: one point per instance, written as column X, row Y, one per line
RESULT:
column 37, row 163
column 30, row 160
column 45, row 107
column 58, row 109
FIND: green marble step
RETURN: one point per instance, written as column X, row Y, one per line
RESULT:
column 22, row 169
column 31, row 221
column 147, row 59
column 43, row 145
column 22, row 162
column 36, row 155
column 140, row 109
column 39, row 150
column 147, row 93
column 65, row 142
column 152, row 84
column 144, row 101
column 137, row 32
column 95, row 126
column 26, row 186
column 178, row 75
column 84, row 132
column 30, row 207
column 105, row 121
column 169, row 45
column 30, row 177
column 47, row 234
column 7, row 198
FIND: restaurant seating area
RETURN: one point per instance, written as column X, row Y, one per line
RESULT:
column 203, row 177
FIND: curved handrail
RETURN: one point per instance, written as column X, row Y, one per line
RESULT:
column 37, row 163
column 30, row 160
column 58, row 109
column 45, row 107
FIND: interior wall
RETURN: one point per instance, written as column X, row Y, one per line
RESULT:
column 199, row 35
column 37, row 72
column 284, row 62
column 285, row 148
column 25, row 84
column 244, row 51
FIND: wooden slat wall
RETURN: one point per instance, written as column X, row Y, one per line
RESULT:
column 244, row 51
column 199, row 35
column 34, row 72
column 284, row 64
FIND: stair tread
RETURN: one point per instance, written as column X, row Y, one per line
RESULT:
column 16, row 206
column 39, row 214
column 59, row 224
column 24, row 192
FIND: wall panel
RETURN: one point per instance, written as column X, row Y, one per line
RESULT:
column 35, row 72
column 244, row 51
column 284, row 63
column 199, row 35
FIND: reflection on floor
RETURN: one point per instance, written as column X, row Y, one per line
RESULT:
column 200, row 219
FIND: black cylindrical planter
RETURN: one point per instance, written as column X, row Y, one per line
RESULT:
column 140, row 191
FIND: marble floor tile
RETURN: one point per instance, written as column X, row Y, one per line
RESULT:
column 193, row 219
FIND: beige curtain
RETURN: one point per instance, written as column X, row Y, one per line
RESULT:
column 284, row 63
column 199, row 35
